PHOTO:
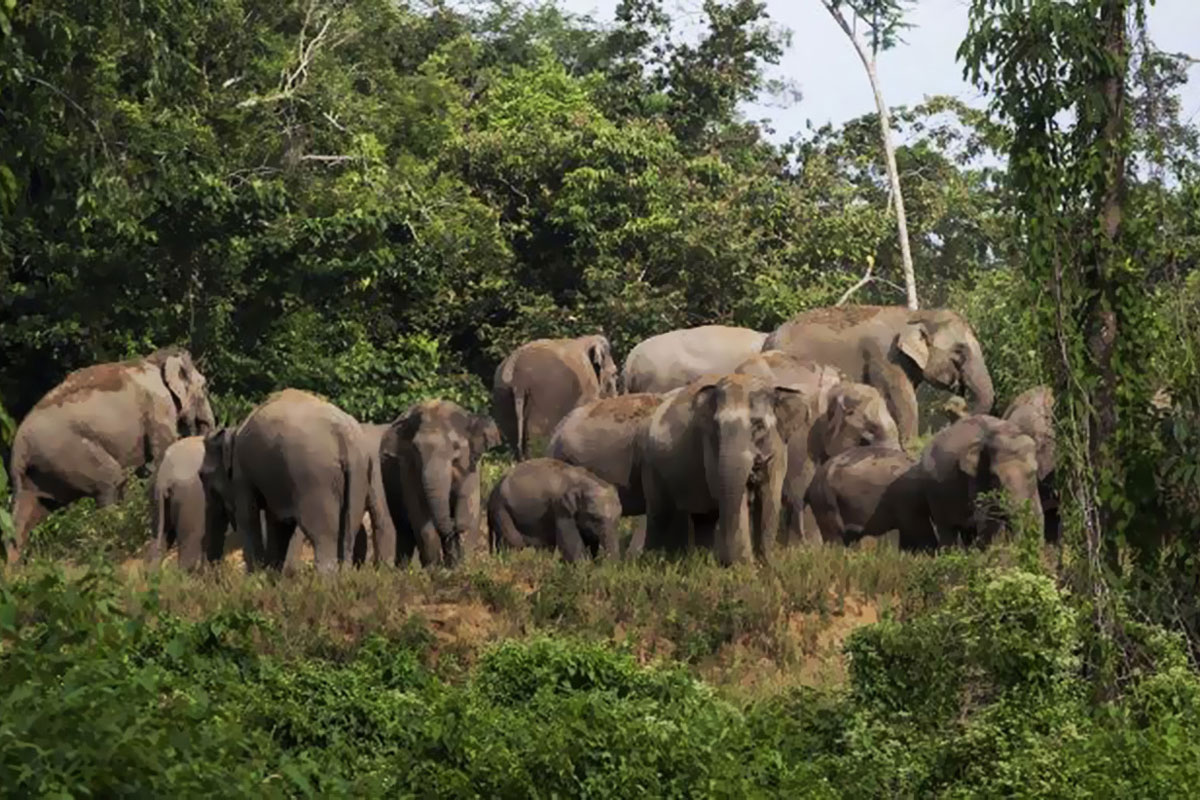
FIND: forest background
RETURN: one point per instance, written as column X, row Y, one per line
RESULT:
column 377, row 200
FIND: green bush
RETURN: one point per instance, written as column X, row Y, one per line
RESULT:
column 981, row 695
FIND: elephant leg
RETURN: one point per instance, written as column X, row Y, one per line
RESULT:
column 764, row 513
column 216, row 524
column 278, row 541
column 319, row 516
column 28, row 511
column 917, row 532
column 795, row 487
column 664, row 523
column 248, row 522
column 185, row 519
column 567, row 538
column 704, row 531
column 637, row 542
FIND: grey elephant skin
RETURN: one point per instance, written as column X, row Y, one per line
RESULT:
column 430, row 457
column 676, row 358
column 937, row 500
column 842, row 414
column 601, row 436
column 83, row 436
column 894, row 350
column 542, row 381
column 545, row 503
column 847, row 488
column 715, row 453
column 303, row 463
column 1033, row 412
column 180, row 512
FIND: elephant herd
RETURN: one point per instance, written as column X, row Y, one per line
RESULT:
column 723, row 438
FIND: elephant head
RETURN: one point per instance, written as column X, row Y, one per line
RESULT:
column 595, row 510
column 857, row 416
column 443, row 444
column 1002, row 458
column 599, row 355
column 216, row 475
column 187, row 387
column 942, row 348
column 747, row 422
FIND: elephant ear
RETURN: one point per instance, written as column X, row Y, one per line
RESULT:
column 176, row 375
column 914, row 343
column 598, row 350
column 483, row 435
column 968, row 460
column 792, row 411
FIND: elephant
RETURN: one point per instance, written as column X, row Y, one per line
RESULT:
column 180, row 510
column 430, row 457
column 298, row 461
column 547, row 503
column 936, row 500
column 602, row 437
column 846, row 489
column 676, row 358
column 84, row 434
column 842, row 414
column 1033, row 412
column 541, row 381
column 715, row 451
column 893, row 349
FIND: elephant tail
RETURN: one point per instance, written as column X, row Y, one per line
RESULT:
column 519, row 413
column 158, row 519
column 354, row 483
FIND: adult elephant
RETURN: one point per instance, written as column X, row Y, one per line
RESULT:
column 842, row 414
column 86, row 433
column 937, row 500
column 893, row 349
column 430, row 457
column 716, row 452
column 601, row 436
column 540, row 382
column 676, row 358
column 297, row 461
column 1033, row 412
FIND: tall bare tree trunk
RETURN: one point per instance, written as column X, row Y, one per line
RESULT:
column 889, row 151
column 1100, row 278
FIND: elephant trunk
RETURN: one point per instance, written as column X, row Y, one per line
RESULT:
column 438, row 486
column 735, row 467
column 205, row 420
column 977, row 384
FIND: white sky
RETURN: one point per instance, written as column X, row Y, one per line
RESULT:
column 834, row 86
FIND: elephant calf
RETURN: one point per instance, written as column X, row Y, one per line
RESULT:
column 847, row 488
column 546, row 503
column 180, row 509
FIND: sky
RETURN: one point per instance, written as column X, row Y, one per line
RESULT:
column 833, row 84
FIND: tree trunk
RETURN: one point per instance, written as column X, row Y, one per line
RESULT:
column 1100, row 322
column 889, row 151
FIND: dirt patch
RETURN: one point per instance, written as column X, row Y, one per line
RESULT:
column 625, row 408
column 837, row 319
column 81, row 383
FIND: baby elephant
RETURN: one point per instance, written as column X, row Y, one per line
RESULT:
column 848, row 487
column 181, row 512
column 547, row 503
